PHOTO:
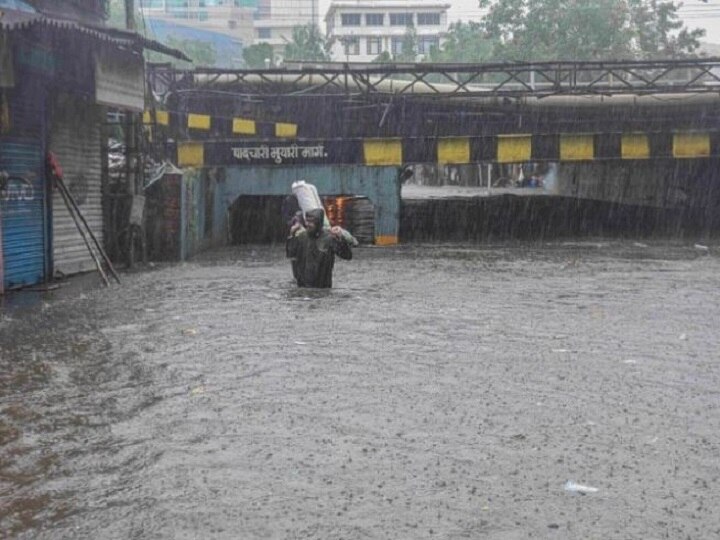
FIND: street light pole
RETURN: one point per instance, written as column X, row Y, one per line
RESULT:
column 130, row 15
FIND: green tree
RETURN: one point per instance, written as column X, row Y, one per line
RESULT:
column 465, row 42
column 255, row 55
column 409, row 51
column 659, row 31
column 531, row 30
column 383, row 58
column 308, row 44
column 116, row 14
column 202, row 53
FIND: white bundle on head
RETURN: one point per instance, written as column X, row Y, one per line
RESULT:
column 308, row 198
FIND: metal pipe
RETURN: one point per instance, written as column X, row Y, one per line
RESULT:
column 66, row 193
column 100, row 270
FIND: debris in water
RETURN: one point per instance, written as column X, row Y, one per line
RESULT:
column 683, row 337
column 197, row 390
column 700, row 247
column 640, row 245
column 190, row 332
column 300, row 343
column 579, row 488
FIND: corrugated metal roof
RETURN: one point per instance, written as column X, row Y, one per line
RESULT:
column 12, row 20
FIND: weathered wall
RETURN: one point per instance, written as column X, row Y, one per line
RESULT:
column 208, row 194
column 662, row 183
column 545, row 217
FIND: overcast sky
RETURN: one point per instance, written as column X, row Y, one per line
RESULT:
column 695, row 14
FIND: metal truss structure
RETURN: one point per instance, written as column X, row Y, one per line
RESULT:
column 542, row 79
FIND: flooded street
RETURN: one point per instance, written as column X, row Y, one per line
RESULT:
column 437, row 392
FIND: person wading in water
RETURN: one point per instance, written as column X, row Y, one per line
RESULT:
column 312, row 250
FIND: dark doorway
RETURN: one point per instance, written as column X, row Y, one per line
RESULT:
column 257, row 220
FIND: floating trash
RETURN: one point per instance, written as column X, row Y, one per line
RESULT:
column 579, row 488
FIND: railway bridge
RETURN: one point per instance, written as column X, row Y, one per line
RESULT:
column 635, row 132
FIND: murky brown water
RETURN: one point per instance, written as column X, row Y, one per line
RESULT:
column 437, row 392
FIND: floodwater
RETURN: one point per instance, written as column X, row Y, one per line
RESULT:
column 445, row 391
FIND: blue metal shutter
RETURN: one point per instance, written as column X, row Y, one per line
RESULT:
column 22, row 207
column 22, row 190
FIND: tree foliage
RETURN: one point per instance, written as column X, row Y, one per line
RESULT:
column 116, row 14
column 531, row 30
column 383, row 58
column 255, row 55
column 409, row 51
column 308, row 44
column 202, row 53
column 660, row 32
column 465, row 42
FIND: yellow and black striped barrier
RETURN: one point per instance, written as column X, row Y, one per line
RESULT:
column 506, row 148
column 503, row 148
column 238, row 126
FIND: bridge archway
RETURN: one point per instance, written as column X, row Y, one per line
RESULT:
column 211, row 192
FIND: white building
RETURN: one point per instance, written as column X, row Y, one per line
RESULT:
column 363, row 29
column 275, row 20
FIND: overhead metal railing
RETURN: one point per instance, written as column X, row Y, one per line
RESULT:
column 537, row 79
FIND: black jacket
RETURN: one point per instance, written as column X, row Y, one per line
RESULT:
column 314, row 257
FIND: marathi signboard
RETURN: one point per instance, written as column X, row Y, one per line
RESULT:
column 119, row 80
column 298, row 152
column 279, row 154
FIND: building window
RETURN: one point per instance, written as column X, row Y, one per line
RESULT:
column 401, row 19
column 350, row 19
column 264, row 33
column 396, row 45
column 426, row 43
column 352, row 46
column 374, row 19
column 428, row 19
column 374, row 45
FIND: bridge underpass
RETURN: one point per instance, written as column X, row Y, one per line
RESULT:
column 636, row 144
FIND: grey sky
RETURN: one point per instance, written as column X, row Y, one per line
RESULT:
column 695, row 13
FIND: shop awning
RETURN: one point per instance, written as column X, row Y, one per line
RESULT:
column 13, row 20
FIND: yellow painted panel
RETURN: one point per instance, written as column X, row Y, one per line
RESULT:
column 382, row 151
column 198, row 121
column 455, row 150
column 386, row 240
column 285, row 130
column 514, row 148
column 191, row 154
column 691, row 145
column 635, row 146
column 243, row 126
column 162, row 117
column 576, row 147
